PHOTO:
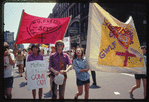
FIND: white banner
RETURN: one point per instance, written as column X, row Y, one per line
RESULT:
column 46, row 59
column 36, row 74
column 66, row 41
column 50, row 46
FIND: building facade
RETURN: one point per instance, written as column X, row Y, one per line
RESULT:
column 77, row 29
column 20, row 46
column 9, row 38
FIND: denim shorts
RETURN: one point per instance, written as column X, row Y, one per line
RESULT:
column 139, row 76
column 80, row 83
column 8, row 82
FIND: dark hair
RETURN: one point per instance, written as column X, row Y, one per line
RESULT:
column 143, row 47
column 29, row 48
column 37, row 46
column 75, row 55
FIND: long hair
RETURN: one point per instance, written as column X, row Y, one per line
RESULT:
column 75, row 55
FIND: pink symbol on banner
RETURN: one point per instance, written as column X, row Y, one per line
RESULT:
column 126, row 54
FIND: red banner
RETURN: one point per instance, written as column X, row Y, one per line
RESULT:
column 41, row 30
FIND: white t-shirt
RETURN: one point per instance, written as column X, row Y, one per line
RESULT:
column 8, row 71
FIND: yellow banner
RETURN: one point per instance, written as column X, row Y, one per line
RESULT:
column 117, row 49
column 112, row 46
column 46, row 46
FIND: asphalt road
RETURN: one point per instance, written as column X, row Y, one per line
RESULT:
column 112, row 86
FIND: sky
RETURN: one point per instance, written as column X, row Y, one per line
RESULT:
column 13, row 11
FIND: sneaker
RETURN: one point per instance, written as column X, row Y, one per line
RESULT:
column 20, row 76
column 94, row 86
column 75, row 98
column 131, row 95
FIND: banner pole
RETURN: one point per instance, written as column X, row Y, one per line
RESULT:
column 67, row 26
column 19, row 25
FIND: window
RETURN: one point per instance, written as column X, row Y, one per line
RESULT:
column 78, row 8
column 75, row 10
column 70, row 11
column 84, row 25
column 84, row 5
column 66, row 14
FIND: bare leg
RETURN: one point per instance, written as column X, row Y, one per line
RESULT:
column 34, row 93
column 5, row 93
column 21, row 66
column 8, row 91
column 80, row 91
column 40, row 93
column 87, row 90
column 135, row 86
column 144, row 85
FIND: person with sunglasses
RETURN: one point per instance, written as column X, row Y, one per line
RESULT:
column 9, row 61
column 58, row 62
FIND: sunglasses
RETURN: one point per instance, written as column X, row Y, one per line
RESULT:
column 78, row 50
column 60, row 44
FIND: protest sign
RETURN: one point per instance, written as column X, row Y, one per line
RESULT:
column 66, row 41
column 36, row 74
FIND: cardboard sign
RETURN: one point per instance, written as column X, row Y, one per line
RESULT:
column 36, row 74
column 66, row 43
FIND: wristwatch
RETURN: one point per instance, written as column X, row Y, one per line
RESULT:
column 8, row 54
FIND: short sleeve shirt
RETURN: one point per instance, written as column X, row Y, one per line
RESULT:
column 31, row 57
column 8, row 71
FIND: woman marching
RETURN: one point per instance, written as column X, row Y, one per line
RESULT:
column 82, row 75
column 138, row 77
column 35, row 56
column 19, row 59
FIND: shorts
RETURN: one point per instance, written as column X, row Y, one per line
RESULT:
column 18, row 62
column 8, row 82
column 80, row 83
column 139, row 76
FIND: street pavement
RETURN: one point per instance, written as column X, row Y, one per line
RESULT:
column 112, row 86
